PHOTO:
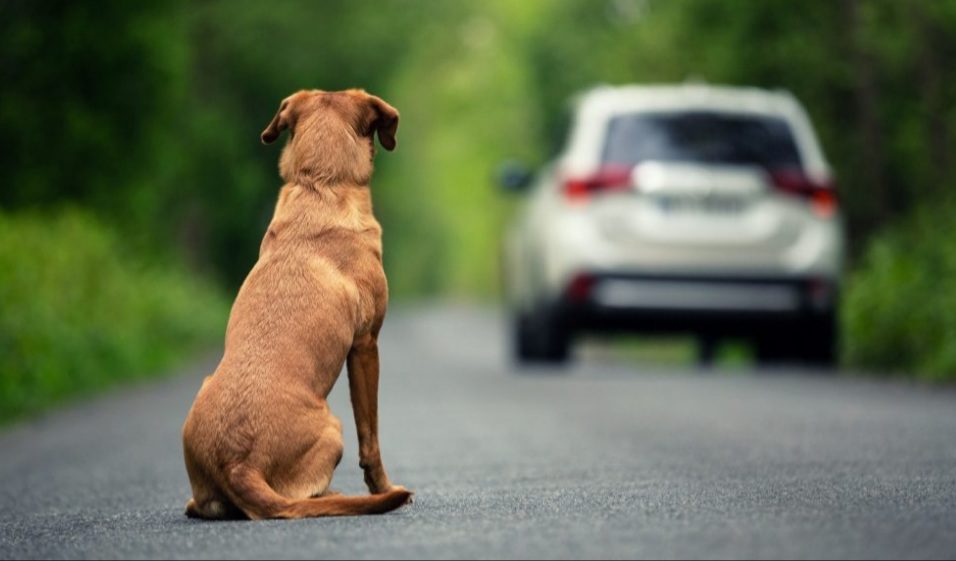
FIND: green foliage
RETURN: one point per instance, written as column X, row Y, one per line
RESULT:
column 442, row 214
column 898, row 310
column 87, row 90
column 79, row 315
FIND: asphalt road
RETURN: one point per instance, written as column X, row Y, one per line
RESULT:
column 606, row 459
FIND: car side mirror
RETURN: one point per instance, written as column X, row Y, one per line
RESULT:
column 514, row 177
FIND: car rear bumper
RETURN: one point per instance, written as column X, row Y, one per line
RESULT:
column 733, row 306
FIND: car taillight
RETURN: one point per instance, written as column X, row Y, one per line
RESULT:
column 820, row 194
column 608, row 178
column 580, row 287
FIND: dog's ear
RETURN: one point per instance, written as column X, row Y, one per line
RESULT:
column 280, row 122
column 383, row 119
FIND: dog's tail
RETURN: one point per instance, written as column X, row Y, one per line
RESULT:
column 252, row 494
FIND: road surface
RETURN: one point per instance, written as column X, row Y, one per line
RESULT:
column 605, row 459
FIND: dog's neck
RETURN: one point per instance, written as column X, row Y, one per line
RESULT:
column 306, row 209
column 325, row 178
column 327, row 158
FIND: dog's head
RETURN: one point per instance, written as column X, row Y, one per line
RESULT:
column 330, row 134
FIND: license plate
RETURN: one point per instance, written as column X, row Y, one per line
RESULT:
column 706, row 204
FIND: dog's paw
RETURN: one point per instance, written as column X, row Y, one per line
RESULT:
column 401, row 493
column 192, row 511
column 410, row 494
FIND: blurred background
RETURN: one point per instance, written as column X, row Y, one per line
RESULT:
column 134, row 190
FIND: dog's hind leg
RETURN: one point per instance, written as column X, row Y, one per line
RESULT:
column 312, row 473
column 212, row 509
column 192, row 509
column 208, row 502
column 210, row 505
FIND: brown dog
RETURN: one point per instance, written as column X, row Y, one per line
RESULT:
column 260, row 440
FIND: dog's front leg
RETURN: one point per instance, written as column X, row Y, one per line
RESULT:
column 363, row 385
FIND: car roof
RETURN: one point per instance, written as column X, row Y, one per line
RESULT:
column 594, row 107
column 617, row 99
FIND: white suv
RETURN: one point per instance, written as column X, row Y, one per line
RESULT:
column 688, row 208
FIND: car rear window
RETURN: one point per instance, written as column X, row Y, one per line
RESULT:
column 701, row 137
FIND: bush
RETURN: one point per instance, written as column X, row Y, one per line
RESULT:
column 78, row 315
column 900, row 304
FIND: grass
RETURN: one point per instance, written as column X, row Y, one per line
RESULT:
column 79, row 315
column 667, row 350
column 899, row 314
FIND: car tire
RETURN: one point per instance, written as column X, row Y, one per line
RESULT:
column 771, row 350
column 812, row 342
column 540, row 338
column 822, row 342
